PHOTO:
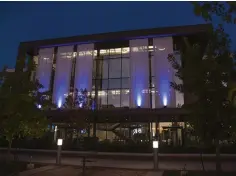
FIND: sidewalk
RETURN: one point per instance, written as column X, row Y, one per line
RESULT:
column 185, row 155
column 129, row 164
column 75, row 171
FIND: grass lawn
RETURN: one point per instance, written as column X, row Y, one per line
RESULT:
column 198, row 173
column 7, row 169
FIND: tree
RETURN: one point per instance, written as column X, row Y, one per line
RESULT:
column 71, row 101
column 20, row 99
column 225, row 10
column 206, row 72
column 78, row 100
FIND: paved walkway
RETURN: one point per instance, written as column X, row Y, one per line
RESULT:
column 129, row 164
column 185, row 155
column 75, row 171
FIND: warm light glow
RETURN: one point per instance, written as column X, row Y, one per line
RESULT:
column 164, row 99
column 55, row 128
column 161, row 49
column 155, row 144
column 138, row 130
column 139, row 100
column 114, row 51
column 59, row 142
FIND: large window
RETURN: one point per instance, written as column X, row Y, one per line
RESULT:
column 111, row 77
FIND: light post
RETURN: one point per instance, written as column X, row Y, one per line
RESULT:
column 59, row 144
column 155, row 145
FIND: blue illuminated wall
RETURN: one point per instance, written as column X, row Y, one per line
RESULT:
column 44, row 67
column 139, row 73
column 84, row 67
column 164, row 74
column 62, row 74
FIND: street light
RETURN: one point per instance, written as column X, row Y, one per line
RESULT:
column 59, row 144
column 155, row 146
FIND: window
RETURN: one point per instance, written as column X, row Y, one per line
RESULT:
column 111, row 74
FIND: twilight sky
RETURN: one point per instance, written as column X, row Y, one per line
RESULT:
column 26, row 21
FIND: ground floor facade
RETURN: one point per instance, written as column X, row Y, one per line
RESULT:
column 124, row 126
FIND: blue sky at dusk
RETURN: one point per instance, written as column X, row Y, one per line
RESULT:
column 25, row 21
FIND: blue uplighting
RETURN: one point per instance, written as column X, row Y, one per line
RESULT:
column 139, row 100
column 164, row 88
column 59, row 103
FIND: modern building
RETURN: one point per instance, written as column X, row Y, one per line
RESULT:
column 128, row 71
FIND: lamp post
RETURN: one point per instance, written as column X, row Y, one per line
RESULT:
column 155, row 145
column 59, row 144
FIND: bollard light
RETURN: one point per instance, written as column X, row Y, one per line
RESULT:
column 59, row 142
column 155, row 144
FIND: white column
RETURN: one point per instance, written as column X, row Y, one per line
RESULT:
column 178, row 95
column 62, row 74
column 139, row 73
column 84, row 67
column 164, row 74
column 44, row 68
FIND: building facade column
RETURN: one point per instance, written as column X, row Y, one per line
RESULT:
column 139, row 73
column 84, row 67
column 164, row 74
column 62, row 75
column 44, row 67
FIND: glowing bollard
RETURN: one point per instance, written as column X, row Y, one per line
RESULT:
column 59, row 144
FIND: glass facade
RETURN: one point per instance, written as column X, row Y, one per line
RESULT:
column 111, row 77
column 130, row 76
column 137, row 75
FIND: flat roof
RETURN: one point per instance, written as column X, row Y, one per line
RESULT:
column 121, row 35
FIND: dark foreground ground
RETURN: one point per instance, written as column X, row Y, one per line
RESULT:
column 122, row 156
column 13, row 168
column 197, row 173
column 91, row 171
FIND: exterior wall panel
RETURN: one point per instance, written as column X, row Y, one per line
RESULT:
column 139, row 73
column 62, row 74
column 84, row 67
column 164, row 73
column 44, row 67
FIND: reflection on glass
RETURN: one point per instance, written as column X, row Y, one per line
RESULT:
column 125, row 67
column 153, row 98
column 105, row 84
column 114, row 68
column 124, row 98
column 105, row 69
column 125, row 83
column 114, row 83
column 114, row 98
column 103, row 97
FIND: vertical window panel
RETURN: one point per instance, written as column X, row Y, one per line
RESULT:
column 125, row 67
column 105, row 69
column 125, row 98
column 115, row 68
column 114, row 98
